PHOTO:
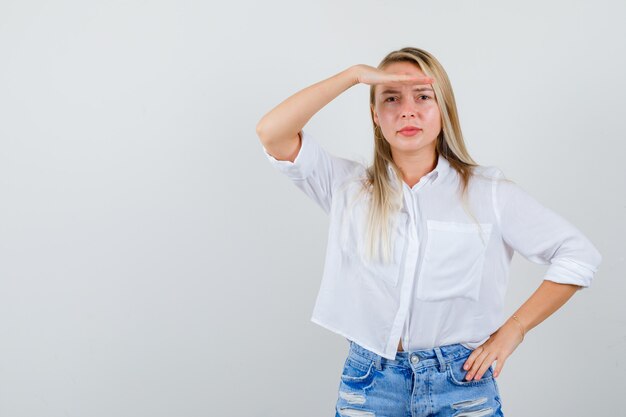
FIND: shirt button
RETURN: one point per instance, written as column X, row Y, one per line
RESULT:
column 414, row 359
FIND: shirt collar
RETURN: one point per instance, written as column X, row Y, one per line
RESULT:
column 440, row 171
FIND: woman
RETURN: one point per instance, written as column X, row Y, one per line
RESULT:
column 420, row 244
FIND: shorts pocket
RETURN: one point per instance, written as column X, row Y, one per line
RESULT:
column 456, row 374
column 453, row 260
column 357, row 373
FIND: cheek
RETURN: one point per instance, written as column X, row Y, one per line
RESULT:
column 385, row 118
column 434, row 118
column 392, row 112
column 387, row 127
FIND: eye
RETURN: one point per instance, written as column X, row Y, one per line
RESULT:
column 424, row 97
column 391, row 99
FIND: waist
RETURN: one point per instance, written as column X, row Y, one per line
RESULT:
column 426, row 357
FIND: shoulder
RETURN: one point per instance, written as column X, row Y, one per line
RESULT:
column 487, row 173
column 493, row 176
column 491, row 180
column 485, row 178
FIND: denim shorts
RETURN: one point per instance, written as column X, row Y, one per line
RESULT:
column 422, row 383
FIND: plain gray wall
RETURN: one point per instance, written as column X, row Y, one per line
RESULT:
column 152, row 261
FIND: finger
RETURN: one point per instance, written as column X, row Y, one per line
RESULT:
column 484, row 366
column 476, row 365
column 499, row 366
column 416, row 79
column 472, row 357
column 410, row 79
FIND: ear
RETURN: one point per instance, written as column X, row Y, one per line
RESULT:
column 374, row 113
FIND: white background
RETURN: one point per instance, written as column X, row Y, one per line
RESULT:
column 153, row 263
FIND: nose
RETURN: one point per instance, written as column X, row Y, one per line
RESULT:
column 408, row 111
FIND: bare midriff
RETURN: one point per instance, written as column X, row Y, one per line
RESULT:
column 400, row 346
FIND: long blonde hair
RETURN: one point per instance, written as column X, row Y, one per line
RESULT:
column 385, row 193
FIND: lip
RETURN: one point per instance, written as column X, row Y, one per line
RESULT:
column 409, row 130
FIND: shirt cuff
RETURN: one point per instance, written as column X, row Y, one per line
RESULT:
column 568, row 271
column 304, row 162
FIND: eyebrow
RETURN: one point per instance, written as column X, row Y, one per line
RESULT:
column 391, row 91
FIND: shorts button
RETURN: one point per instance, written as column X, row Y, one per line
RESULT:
column 414, row 359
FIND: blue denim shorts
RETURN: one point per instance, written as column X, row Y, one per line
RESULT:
column 422, row 383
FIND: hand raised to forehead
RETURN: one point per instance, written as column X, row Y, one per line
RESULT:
column 373, row 76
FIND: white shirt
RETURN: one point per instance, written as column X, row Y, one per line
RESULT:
column 448, row 277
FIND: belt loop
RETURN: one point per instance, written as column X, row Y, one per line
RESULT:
column 377, row 362
column 442, row 362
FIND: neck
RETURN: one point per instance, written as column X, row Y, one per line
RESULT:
column 414, row 166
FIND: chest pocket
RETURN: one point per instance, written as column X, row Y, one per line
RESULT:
column 353, row 247
column 453, row 260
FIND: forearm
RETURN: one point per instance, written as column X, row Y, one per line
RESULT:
column 548, row 298
column 287, row 119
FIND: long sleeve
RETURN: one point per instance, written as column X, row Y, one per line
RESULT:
column 544, row 237
column 314, row 170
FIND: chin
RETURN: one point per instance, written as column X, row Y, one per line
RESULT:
column 410, row 144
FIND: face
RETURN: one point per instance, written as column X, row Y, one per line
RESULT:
column 408, row 115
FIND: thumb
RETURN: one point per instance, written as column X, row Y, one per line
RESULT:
column 499, row 365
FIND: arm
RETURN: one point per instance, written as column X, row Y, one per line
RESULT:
column 547, row 299
column 279, row 129
column 543, row 237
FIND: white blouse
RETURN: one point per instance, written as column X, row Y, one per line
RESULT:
column 449, row 273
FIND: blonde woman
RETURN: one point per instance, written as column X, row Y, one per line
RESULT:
column 420, row 244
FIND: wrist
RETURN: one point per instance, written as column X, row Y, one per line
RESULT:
column 354, row 73
column 362, row 73
column 517, row 323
